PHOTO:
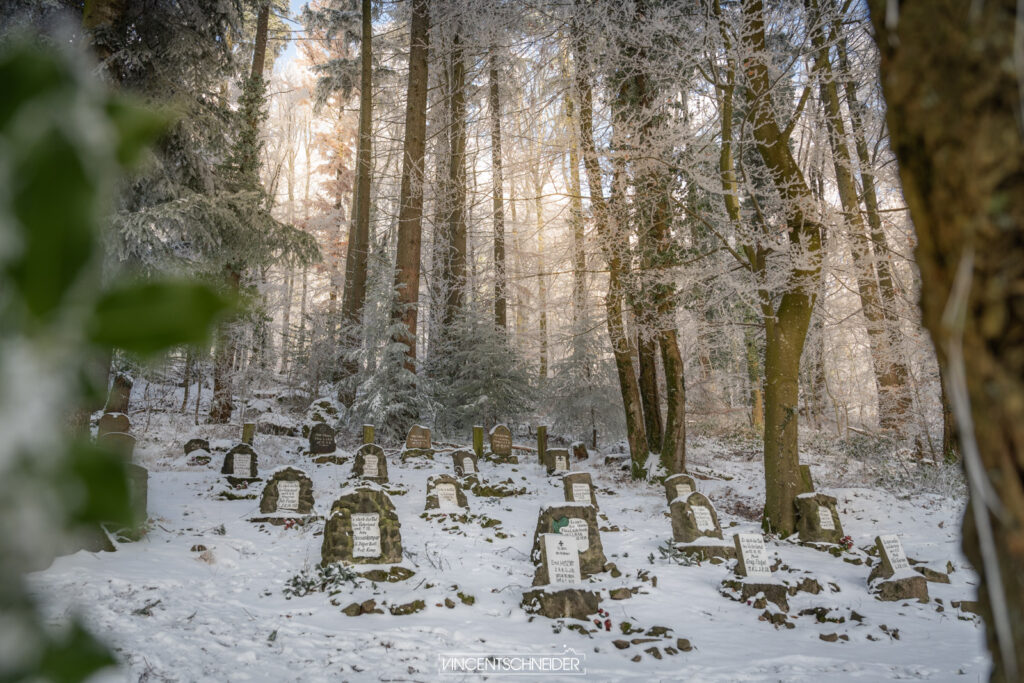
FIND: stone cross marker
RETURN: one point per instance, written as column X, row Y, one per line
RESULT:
column 561, row 559
column 679, row 486
column 321, row 439
column 418, row 438
column 753, row 558
column 444, row 493
column 501, row 440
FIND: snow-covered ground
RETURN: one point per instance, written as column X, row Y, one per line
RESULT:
column 173, row 615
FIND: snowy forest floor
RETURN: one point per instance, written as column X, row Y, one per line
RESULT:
column 172, row 615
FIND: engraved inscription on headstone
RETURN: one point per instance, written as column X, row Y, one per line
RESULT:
column 561, row 463
column 467, row 466
column 577, row 528
column 418, row 438
column 563, row 559
column 581, row 493
column 365, row 534
column 241, row 464
column 702, row 516
column 287, row 495
column 321, row 439
column 825, row 520
column 894, row 551
column 501, row 440
column 446, row 498
column 370, row 467
column 683, row 490
column 754, row 555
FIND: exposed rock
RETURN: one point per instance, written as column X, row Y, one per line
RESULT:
column 338, row 544
column 555, row 519
column 571, row 603
column 694, row 518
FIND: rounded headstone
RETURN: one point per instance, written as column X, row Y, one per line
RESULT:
column 238, row 458
column 288, row 491
column 370, row 463
column 444, row 493
column 694, row 518
column 113, row 423
column 679, row 486
column 465, row 463
column 197, row 445
column 321, row 439
column 363, row 528
column 501, row 440
column 579, row 488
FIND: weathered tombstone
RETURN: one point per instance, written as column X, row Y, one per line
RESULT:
column 138, row 494
column 288, row 492
column 122, row 444
column 444, row 493
column 560, row 576
column 542, row 443
column 418, row 438
column 370, row 463
column 240, row 462
column 478, row 441
column 501, row 440
column 465, row 463
column 694, row 518
column 892, row 578
column 120, row 393
column 363, row 528
column 560, row 559
column 579, row 488
column 110, row 423
column 579, row 450
column 556, row 460
column 817, row 519
column 321, row 439
column 197, row 445
column 248, row 432
column 570, row 519
column 679, row 486
column 368, row 436
column 752, row 556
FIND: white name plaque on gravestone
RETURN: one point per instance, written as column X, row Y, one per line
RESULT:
column 683, row 490
column 241, row 465
column 825, row 520
column 581, row 493
column 446, row 498
column 563, row 559
column 755, row 557
column 577, row 528
column 365, row 534
column 288, row 495
column 467, row 465
column 370, row 468
column 561, row 463
column 702, row 516
column 894, row 550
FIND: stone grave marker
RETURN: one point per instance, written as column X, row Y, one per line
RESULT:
column 752, row 556
column 542, row 443
column 241, row 462
column 321, row 439
column 368, row 434
column 444, row 493
column 579, row 488
column 557, row 460
column 363, row 528
column 817, row 518
column 694, row 518
column 248, row 432
column 120, row 443
column 370, row 463
column 561, row 559
column 679, row 486
column 197, row 445
column 892, row 579
column 465, row 463
column 418, row 439
column 579, row 451
column 110, row 423
column 138, row 493
column 577, row 521
column 501, row 440
column 289, row 491
column 478, row 440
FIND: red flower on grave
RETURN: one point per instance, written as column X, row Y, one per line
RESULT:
column 846, row 542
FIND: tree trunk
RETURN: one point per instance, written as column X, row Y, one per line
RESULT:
column 410, row 203
column 453, row 249
column 579, row 253
column 497, row 192
column 954, row 121
column 647, row 349
column 542, row 283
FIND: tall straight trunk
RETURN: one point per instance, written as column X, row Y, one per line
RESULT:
column 286, row 320
column 754, row 374
column 612, row 244
column 259, row 52
column 354, row 295
column 786, row 330
column 410, row 203
column 647, row 363
column 542, row 283
column 890, row 374
column 579, row 252
column 222, row 403
column 954, row 119
column 497, row 194
column 189, row 362
column 453, row 251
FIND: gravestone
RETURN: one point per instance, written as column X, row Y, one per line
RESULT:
column 197, row 445
column 556, row 460
column 579, row 488
column 478, row 441
column 561, row 559
column 120, row 443
column 363, row 528
column 110, row 423
column 579, row 451
column 138, row 494
column 892, row 579
column 752, row 556
column 248, row 432
column 444, row 493
column 465, row 463
column 370, row 464
column 288, row 492
column 120, row 394
column 418, row 439
column 694, row 518
column 321, row 439
column 679, row 486
column 241, row 462
column 501, row 440
column 368, row 434
column 817, row 519
column 577, row 521
column 542, row 443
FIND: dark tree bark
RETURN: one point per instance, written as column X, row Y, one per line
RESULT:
column 497, row 191
column 453, row 250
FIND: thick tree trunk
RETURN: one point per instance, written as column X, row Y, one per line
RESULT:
column 954, row 116
column 497, row 198
column 453, row 251
column 410, row 206
column 647, row 349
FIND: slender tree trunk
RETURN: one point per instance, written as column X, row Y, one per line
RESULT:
column 222, row 403
column 497, row 192
column 579, row 252
column 188, row 377
column 410, row 208
column 453, row 271
column 954, row 117
column 542, row 283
